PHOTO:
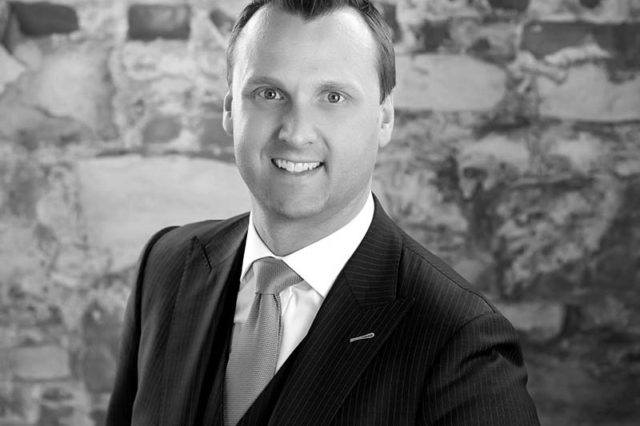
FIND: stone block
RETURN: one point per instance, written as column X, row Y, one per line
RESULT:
column 568, row 390
column 43, row 18
column 539, row 321
column 581, row 155
column 22, row 181
column 588, row 94
column 478, row 270
column 231, row 7
column 413, row 12
column 413, row 197
column 16, row 257
column 148, row 22
column 64, row 404
column 495, row 41
column 492, row 161
column 615, row 270
column 32, row 127
column 517, row 5
column 13, row 409
column 40, row 363
column 214, row 139
column 74, row 82
column 602, row 11
column 546, row 228
column 99, row 416
column 545, row 38
column 29, row 53
column 126, row 199
column 160, row 129
column 101, row 321
column 545, row 8
column 427, row 35
column 102, row 19
column 634, row 9
column 157, row 60
column 98, row 368
column 56, row 209
column 608, row 312
column 222, row 20
column 624, row 41
column 621, row 41
column 413, row 182
column 448, row 83
column 590, row 3
column 423, row 26
column 10, row 69
column 4, row 17
column 432, row 35
column 628, row 168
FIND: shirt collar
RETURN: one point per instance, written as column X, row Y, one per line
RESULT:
column 320, row 262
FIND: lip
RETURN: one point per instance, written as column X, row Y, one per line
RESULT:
column 297, row 161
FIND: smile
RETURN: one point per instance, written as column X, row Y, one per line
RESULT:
column 295, row 167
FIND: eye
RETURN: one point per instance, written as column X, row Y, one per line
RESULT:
column 334, row 97
column 270, row 94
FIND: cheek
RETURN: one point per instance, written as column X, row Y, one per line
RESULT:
column 355, row 154
column 255, row 125
column 249, row 134
column 359, row 137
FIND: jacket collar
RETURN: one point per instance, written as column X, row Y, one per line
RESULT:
column 371, row 273
column 224, row 241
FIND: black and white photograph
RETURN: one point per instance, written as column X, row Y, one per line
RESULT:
column 320, row 212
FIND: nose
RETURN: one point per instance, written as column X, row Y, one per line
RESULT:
column 298, row 126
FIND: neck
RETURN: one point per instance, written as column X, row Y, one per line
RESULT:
column 284, row 236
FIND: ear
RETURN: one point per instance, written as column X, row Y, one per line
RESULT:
column 387, row 116
column 227, row 122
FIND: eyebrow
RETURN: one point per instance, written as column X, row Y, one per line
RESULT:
column 263, row 80
column 331, row 85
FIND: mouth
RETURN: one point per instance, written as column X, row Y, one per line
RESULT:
column 296, row 167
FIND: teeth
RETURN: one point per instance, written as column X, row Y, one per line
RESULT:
column 292, row 167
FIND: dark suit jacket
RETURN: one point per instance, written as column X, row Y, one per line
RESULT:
column 441, row 354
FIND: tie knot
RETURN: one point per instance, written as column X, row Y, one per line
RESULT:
column 273, row 275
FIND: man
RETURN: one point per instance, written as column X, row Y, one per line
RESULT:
column 314, row 309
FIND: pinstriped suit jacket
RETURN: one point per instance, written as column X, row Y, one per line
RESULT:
column 441, row 354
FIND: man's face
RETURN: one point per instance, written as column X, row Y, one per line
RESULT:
column 305, row 114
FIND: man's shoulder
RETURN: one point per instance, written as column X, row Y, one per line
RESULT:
column 436, row 287
column 175, row 240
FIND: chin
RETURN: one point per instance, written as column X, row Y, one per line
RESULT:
column 293, row 205
column 296, row 209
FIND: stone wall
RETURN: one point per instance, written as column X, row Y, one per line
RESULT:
column 516, row 157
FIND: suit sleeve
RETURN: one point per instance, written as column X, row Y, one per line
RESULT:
column 479, row 378
column 125, row 386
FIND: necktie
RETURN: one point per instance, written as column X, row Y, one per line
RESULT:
column 255, row 345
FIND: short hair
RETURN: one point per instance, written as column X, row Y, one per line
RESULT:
column 310, row 9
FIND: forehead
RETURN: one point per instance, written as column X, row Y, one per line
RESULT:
column 340, row 39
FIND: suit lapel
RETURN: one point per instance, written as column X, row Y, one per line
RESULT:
column 197, row 311
column 362, row 301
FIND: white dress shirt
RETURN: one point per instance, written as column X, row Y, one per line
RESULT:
column 318, row 264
